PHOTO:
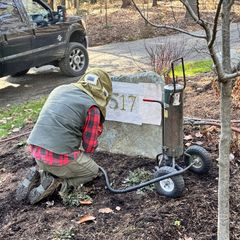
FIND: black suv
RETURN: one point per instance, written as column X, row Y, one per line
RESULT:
column 33, row 35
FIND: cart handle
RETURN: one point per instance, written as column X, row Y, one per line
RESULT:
column 152, row 100
column 173, row 73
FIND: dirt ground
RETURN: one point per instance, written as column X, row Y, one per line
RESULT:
column 135, row 216
column 120, row 25
column 127, row 25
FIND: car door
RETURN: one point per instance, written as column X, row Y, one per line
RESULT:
column 49, row 36
column 16, row 39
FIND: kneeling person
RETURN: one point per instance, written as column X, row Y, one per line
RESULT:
column 71, row 117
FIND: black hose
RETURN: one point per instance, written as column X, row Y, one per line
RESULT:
column 141, row 185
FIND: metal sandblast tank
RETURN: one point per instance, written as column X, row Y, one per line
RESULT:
column 173, row 120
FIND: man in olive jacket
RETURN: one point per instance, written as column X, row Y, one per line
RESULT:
column 70, row 120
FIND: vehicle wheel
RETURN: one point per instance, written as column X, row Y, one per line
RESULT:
column 76, row 60
column 201, row 158
column 19, row 74
column 171, row 187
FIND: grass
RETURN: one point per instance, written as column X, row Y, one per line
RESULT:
column 13, row 118
column 193, row 68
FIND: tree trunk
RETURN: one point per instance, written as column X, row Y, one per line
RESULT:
column 194, row 6
column 154, row 3
column 225, row 139
column 126, row 3
column 224, row 165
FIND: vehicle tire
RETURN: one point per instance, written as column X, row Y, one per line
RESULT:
column 202, row 158
column 171, row 187
column 19, row 74
column 76, row 60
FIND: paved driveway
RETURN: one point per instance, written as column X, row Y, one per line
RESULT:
column 116, row 58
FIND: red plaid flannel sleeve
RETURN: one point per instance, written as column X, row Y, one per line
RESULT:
column 91, row 130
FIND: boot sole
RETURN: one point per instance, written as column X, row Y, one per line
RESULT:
column 31, row 180
column 46, row 188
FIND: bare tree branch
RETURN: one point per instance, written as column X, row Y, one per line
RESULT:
column 230, row 76
column 167, row 26
column 214, row 31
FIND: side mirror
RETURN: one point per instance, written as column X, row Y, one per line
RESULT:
column 62, row 13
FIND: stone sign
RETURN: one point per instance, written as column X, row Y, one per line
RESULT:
column 132, row 126
column 127, row 105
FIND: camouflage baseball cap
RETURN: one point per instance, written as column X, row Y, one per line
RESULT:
column 98, row 85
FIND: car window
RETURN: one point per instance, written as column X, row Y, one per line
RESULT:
column 35, row 11
column 9, row 15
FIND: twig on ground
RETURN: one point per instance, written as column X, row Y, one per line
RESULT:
column 205, row 122
column 14, row 137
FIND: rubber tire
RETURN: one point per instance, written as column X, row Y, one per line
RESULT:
column 19, row 74
column 204, row 156
column 178, row 182
column 64, row 63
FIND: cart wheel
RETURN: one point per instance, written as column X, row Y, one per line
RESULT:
column 171, row 187
column 201, row 158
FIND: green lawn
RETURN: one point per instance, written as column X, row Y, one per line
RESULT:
column 193, row 68
column 13, row 118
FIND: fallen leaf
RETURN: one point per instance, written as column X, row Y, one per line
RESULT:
column 198, row 135
column 85, row 202
column 199, row 143
column 21, row 144
column 212, row 129
column 2, row 170
column 3, row 121
column 105, row 210
column 86, row 218
column 188, row 137
column 16, row 130
column 177, row 223
column 187, row 238
column 231, row 157
column 118, row 208
column 50, row 203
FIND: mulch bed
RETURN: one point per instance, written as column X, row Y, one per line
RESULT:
column 141, row 216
